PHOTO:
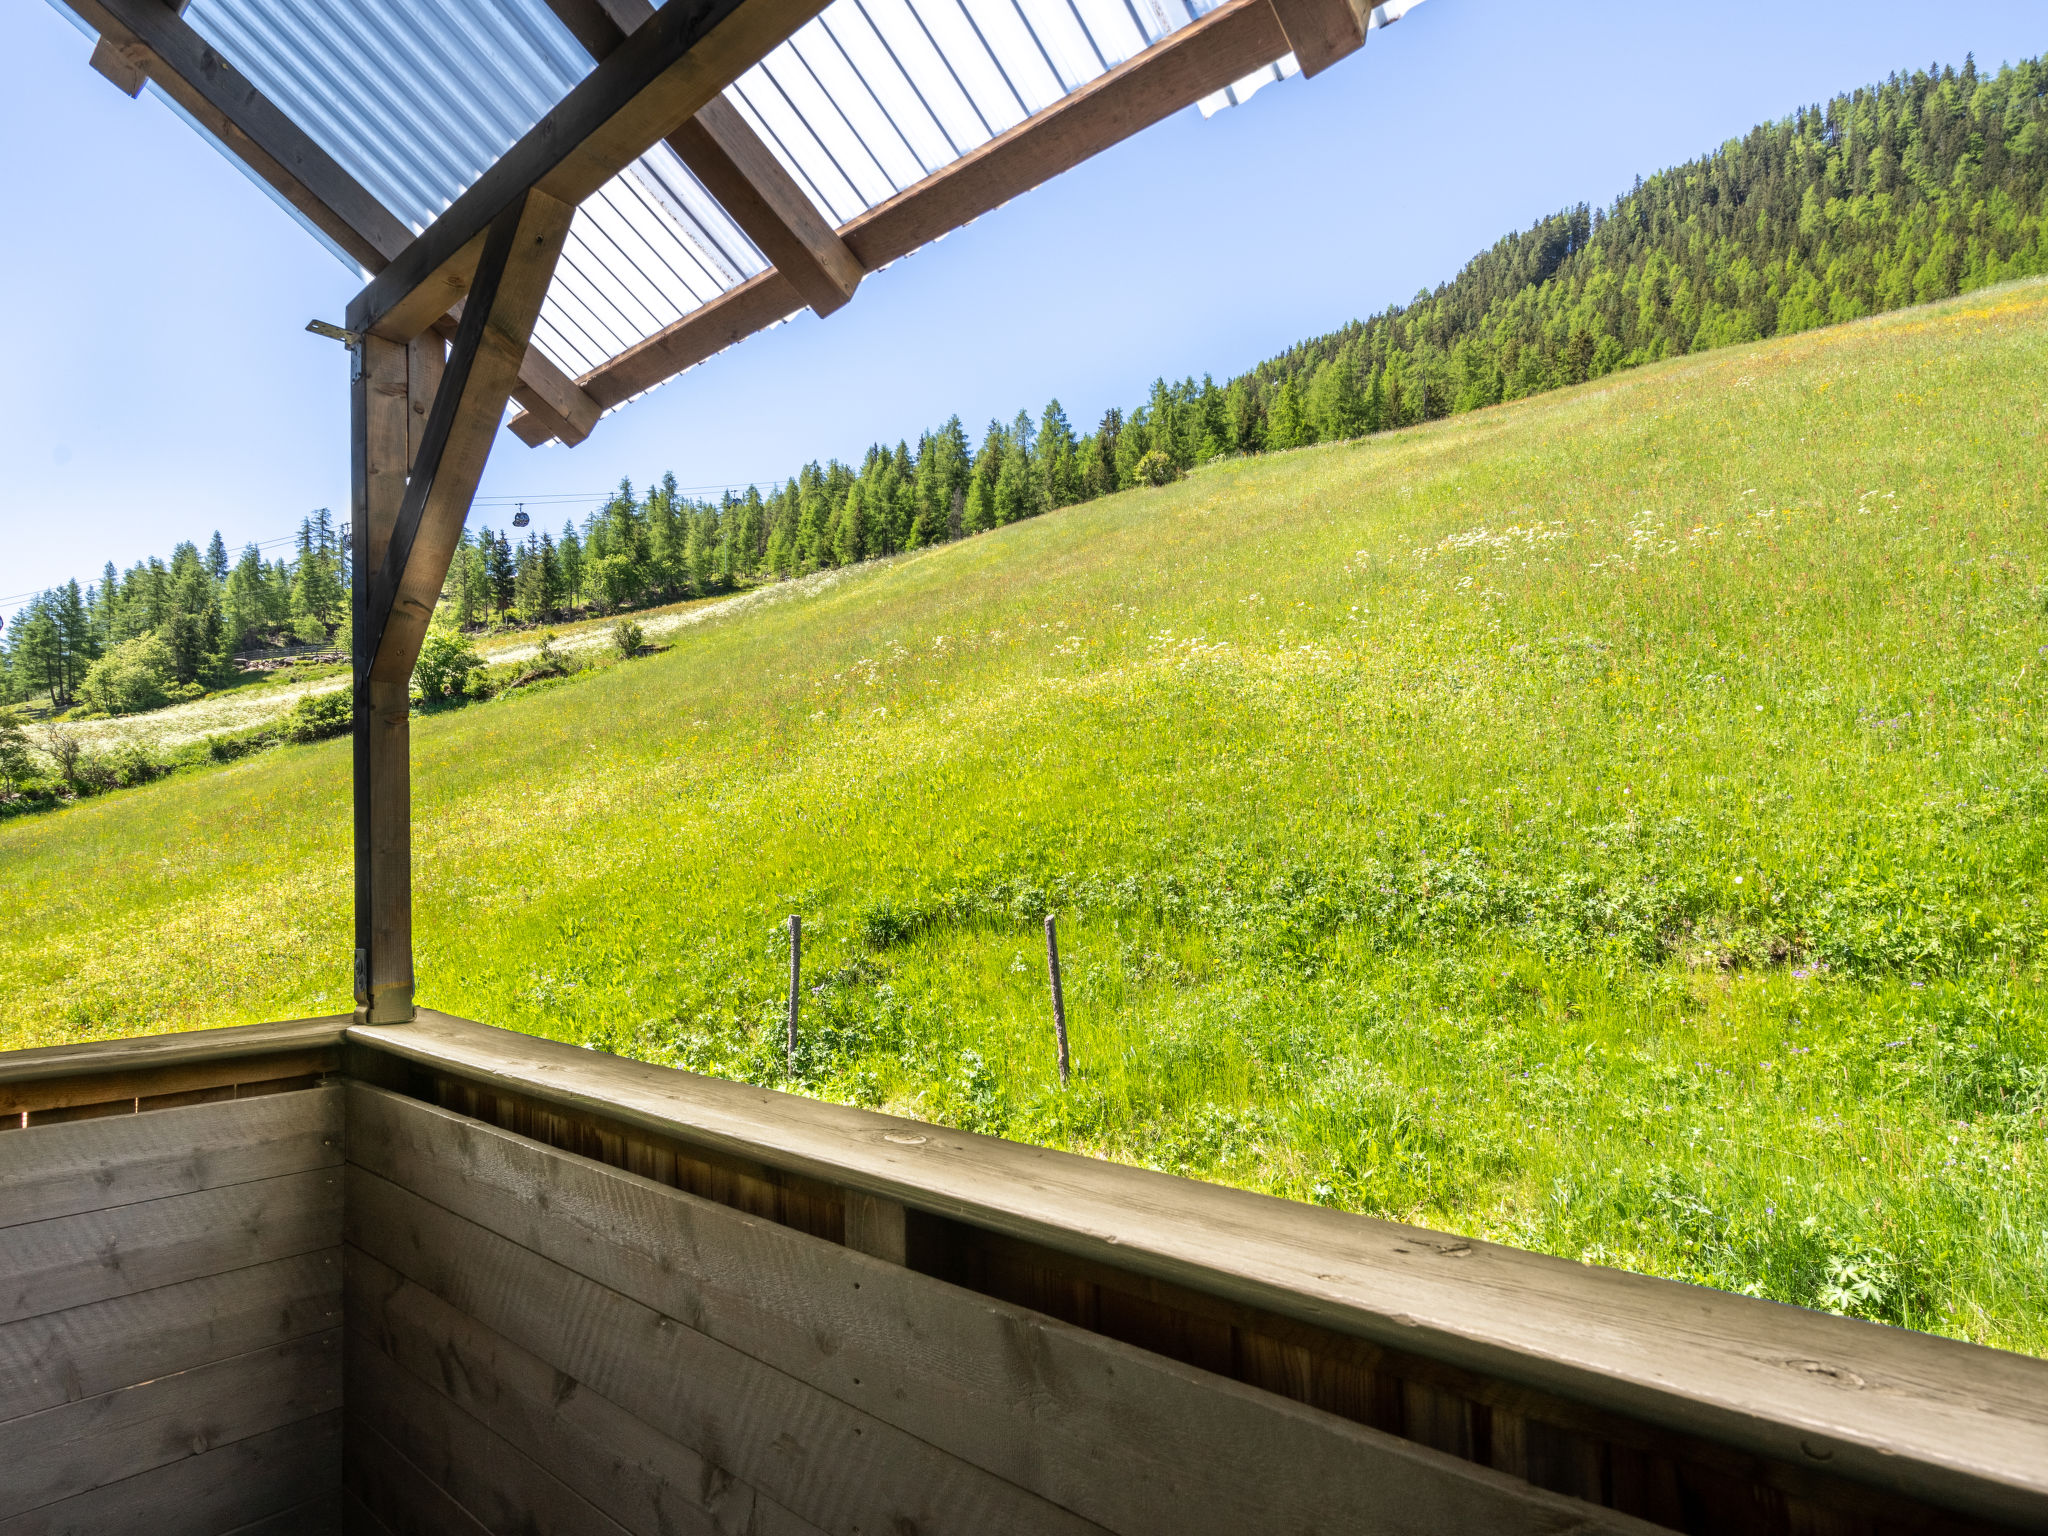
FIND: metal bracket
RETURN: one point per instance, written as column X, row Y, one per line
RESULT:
column 350, row 339
column 353, row 340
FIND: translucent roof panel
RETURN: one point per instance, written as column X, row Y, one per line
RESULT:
column 416, row 98
column 872, row 96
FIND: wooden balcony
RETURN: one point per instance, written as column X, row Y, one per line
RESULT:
column 440, row 1277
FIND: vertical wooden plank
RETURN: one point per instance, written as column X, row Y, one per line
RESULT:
column 380, row 455
column 426, row 357
column 875, row 1226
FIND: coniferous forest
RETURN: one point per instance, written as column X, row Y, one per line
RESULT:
column 1928, row 185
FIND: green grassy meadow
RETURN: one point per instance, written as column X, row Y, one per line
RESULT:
column 1611, row 824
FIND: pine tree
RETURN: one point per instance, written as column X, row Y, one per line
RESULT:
column 571, row 551
column 852, row 532
column 979, row 514
column 553, row 589
column 1283, row 419
column 217, row 560
column 502, row 573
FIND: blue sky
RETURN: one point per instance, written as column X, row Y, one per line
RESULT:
column 158, row 382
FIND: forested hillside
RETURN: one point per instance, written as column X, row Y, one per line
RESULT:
column 1928, row 185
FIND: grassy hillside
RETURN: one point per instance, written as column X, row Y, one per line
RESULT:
column 1611, row 823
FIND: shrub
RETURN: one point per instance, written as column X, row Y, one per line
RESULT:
column 317, row 716
column 132, row 677
column 628, row 637
column 65, row 752
column 1155, row 468
column 17, row 763
column 885, row 924
column 446, row 660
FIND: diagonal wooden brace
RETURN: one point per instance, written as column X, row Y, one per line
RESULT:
column 519, row 255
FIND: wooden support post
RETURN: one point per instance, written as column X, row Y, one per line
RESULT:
column 415, row 472
column 426, row 356
column 1059, row 1002
column 796, row 974
column 380, row 454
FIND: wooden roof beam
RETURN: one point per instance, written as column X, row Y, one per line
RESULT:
column 1203, row 57
column 737, row 169
column 1321, row 32
column 148, row 40
column 660, row 77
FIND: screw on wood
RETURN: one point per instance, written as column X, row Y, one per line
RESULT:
column 796, row 973
column 1059, row 1002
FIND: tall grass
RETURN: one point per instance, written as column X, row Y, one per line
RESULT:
column 1612, row 824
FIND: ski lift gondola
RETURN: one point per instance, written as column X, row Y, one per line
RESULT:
column 519, row 518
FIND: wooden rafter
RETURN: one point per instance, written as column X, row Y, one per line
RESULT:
column 653, row 83
column 148, row 39
column 1323, row 31
column 1203, row 57
column 737, row 169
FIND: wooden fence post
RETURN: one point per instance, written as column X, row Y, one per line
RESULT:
column 1059, row 1004
column 796, row 971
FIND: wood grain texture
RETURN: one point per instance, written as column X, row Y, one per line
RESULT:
column 739, row 170
column 513, row 273
column 831, row 1464
column 1322, row 31
column 83, row 1351
column 1121, row 1437
column 637, row 1476
column 501, row 1486
column 320, row 1516
column 204, row 1495
column 51, row 1266
column 1962, row 1427
column 70, row 1450
column 102, row 1058
column 127, row 69
column 386, row 1493
column 61, row 1170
